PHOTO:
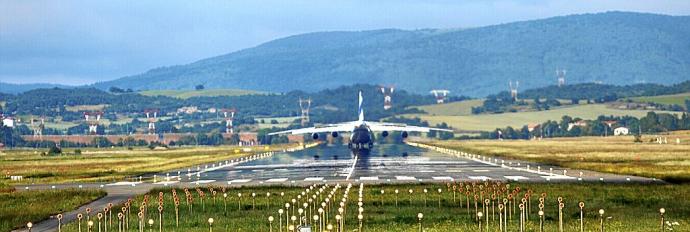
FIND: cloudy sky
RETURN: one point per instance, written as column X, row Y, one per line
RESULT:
column 80, row 42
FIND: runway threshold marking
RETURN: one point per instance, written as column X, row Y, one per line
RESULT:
column 239, row 181
column 166, row 182
column 516, row 178
column 479, row 178
column 203, row 181
column 448, row 178
column 123, row 183
column 405, row 178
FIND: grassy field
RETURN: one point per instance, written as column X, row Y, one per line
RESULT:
column 184, row 94
column 460, row 108
column 677, row 99
column 109, row 164
column 619, row 154
column 488, row 122
column 18, row 208
column 627, row 208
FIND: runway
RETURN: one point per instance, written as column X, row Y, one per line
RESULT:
column 385, row 163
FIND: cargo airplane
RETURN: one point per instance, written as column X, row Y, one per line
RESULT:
column 361, row 131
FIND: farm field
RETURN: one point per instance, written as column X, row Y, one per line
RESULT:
column 184, row 94
column 18, row 208
column 451, row 109
column 627, row 208
column 105, row 164
column 670, row 162
column 489, row 122
column 677, row 99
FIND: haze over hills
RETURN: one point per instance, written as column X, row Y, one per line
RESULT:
column 615, row 48
column 19, row 88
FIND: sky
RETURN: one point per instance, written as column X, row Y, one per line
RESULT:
column 80, row 42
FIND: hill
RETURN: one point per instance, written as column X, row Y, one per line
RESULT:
column 451, row 109
column 9, row 88
column 614, row 47
column 184, row 94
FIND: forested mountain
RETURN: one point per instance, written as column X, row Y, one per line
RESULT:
column 615, row 48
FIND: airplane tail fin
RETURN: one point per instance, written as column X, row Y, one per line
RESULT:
column 361, row 109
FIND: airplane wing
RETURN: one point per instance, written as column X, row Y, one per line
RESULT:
column 340, row 127
column 382, row 126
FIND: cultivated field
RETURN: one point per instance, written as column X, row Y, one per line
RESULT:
column 17, row 208
column 489, row 122
column 678, row 99
column 184, row 94
column 451, row 109
column 620, row 154
column 110, row 164
column 627, row 207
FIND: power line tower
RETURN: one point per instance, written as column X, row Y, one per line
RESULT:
column 387, row 100
column 229, row 116
column 152, row 118
column 440, row 95
column 304, row 106
column 560, row 73
column 37, row 125
column 92, row 119
column 514, row 89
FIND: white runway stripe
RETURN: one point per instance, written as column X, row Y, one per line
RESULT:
column 369, row 178
column 277, row 180
column 123, row 183
column 239, row 181
column 516, row 178
column 405, row 178
column 448, row 178
column 479, row 178
column 203, row 181
column 313, row 179
column 481, row 170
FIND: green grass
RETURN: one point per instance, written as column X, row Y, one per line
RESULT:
column 111, row 164
column 488, row 122
column 677, row 99
column 18, row 208
column 628, row 207
column 614, row 154
column 184, row 94
column 451, row 109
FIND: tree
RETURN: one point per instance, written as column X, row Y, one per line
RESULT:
column 199, row 87
column 114, row 89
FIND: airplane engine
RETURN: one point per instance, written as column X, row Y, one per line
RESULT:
column 384, row 134
column 404, row 134
column 334, row 134
column 315, row 136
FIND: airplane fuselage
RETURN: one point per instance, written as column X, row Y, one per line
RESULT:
column 361, row 137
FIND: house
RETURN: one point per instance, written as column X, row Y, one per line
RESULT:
column 580, row 123
column 188, row 109
column 8, row 122
column 621, row 131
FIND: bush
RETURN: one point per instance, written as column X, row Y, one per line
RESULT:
column 54, row 150
column 77, row 152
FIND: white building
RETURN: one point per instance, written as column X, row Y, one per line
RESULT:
column 621, row 131
column 8, row 122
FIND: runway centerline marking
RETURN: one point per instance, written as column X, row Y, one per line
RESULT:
column 313, row 179
column 483, row 178
column 239, row 181
column 371, row 178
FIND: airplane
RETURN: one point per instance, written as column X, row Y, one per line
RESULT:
column 361, row 131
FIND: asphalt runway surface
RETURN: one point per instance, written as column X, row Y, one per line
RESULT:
column 385, row 163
